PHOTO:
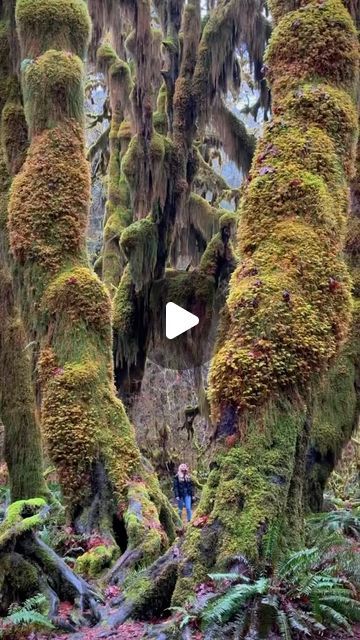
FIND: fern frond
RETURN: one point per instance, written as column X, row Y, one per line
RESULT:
column 231, row 577
column 333, row 617
column 224, row 607
column 283, row 625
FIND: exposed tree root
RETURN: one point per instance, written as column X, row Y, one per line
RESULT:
column 28, row 566
column 150, row 595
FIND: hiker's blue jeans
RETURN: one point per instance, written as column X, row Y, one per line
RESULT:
column 185, row 502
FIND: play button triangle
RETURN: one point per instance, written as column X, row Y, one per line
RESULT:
column 178, row 320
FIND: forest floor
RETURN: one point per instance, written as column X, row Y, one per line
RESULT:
column 140, row 631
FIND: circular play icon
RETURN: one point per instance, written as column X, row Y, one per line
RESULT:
column 178, row 320
column 185, row 316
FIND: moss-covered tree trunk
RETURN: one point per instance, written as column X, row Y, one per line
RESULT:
column 337, row 404
column 289, row 307
column 66, row 309
column 23, row 451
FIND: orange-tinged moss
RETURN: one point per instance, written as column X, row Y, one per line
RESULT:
column 50, row 199
column 321, row 41
column 288, row 193
column 289, row 305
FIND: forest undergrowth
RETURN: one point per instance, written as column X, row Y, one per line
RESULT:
column 312, row 592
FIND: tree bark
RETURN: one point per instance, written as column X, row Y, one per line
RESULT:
column 23, row 447
column 289, row 307
column 66, row 309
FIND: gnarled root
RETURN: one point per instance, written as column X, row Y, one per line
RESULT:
column 28, row 566
column 149, row 593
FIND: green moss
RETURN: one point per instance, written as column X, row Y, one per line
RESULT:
column 49, row 230
column 160, row 122
column 139, row 243
column 161, row 99
column 305, row 199
column 292, row 227
column 334, row 408
column 21, row 516
column 54, row 24
column 183, row 288
column 320, row 42
column 203, row 217
column 145, row 533
column 53, row 90
column 14, row 135
column 135, row 156
column 82, row 295
column 244, row 496
column 93, row 562
column 328, row 108
column 308, row 148
column 124, row 319
column 106, row 55
column 125, row 131
column 19, row 580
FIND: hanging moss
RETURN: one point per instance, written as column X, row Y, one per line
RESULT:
column 135, row 155
column 125, row 319
column 139, row 243
column 203, row 217
column 53, row 90
column 238, row 144
column 184, row 288
column 55, row 24
column 14, row 135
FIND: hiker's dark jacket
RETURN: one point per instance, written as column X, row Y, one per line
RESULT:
column 182, row 488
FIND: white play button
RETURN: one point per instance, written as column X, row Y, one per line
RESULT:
column 178, row 320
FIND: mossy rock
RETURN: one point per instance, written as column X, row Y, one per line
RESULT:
column 56, row 24
column 93, row 562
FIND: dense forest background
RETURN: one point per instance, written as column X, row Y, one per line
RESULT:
column 203, row 153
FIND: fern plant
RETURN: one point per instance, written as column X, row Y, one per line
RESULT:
column 26, row 617
column 344, row 521
column 305, row 595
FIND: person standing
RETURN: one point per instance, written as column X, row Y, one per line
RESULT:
column 183, row 490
